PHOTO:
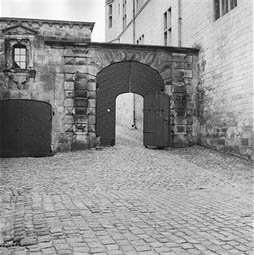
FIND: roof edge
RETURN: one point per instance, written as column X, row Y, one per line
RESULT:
column 49, row 21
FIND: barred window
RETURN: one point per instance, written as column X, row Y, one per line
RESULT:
column 221, row 7
column 110, row 14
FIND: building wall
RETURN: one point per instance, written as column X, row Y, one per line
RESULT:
column 226, row 73
column 62, row 71
column 45, row 77
column 225, row 92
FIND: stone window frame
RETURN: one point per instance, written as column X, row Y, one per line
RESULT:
column 11, row 44
column 222, row 7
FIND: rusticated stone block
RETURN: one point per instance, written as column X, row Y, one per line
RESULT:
column 91, row 128
column 221, row 141
column 91, row 103
column 178, row 65
column 81, row 102
column 81, row 85
column 68, row 94
column 68, row 102
column 81, row 93
column 68, row 77
column 80, row 76
column 92, row 139
column 68, row 119
column 178, row 81
column 80, row 110
column 179, row 57
column 80, row 128
column 188, row 74
column 91, row 119
column 91, row 111
column 188, row 66
column 166, row 74
column 180, row 129
column 81, row 61
column 5, row 94
column 180, row 120
column 189, row 105
column 187, row 81
column 81, row 143
column 69, row 60
column 81, row 119
column 245, row 141
column 69, row 85
column 75, row 68
column 68, row 110
column 92, row 94
column 64, row 147
column 91, row 86
column 189, row 129
column 179, row 89
column 68, row 127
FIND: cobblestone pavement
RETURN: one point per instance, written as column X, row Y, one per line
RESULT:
column 127, row 200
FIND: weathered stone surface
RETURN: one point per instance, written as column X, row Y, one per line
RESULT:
column 28, row 241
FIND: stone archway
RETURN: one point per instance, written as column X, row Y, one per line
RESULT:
column 118, row 78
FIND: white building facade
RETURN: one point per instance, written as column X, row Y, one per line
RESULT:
column 223, row 32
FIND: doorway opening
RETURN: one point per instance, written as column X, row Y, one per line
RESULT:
column 129, row 119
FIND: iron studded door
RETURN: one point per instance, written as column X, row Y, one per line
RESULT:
column 25, row 128
column 156, row 120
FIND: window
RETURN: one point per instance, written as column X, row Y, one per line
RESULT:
column 19, row 56
column 124, row 14
column 110, row 16
column 167, row 27
column 221, row 7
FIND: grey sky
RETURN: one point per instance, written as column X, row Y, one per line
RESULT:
column 80, row 10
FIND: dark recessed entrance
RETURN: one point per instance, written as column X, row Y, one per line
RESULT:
column 118, row 78
column 25, row 127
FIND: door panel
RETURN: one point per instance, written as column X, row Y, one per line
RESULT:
column 36, row 128
column 10, row 127
column 25, row 128
column 156, row 120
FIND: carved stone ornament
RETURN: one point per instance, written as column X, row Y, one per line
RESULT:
column 19, row 30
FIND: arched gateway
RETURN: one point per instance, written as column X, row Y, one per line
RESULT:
column 124, row 77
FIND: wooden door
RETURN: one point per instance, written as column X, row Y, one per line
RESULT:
column 25, row 128
column 156, row 120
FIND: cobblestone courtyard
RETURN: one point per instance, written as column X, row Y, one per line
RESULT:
column 127, row 200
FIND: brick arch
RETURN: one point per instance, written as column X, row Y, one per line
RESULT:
column 118, row 78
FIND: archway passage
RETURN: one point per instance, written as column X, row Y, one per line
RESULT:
column 118, row 78
column 25, row 127
column 128, row 130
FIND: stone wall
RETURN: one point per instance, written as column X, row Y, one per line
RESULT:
column 177, row 67
column 226, row 74
column 63, row 73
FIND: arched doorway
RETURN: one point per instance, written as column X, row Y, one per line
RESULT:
column 118, row 78
column 129, row 119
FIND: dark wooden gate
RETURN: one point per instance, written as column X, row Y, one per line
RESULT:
column 25, row 128
column 118, row 78
column 156, row 120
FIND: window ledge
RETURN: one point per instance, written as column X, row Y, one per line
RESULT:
column 30, row 72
